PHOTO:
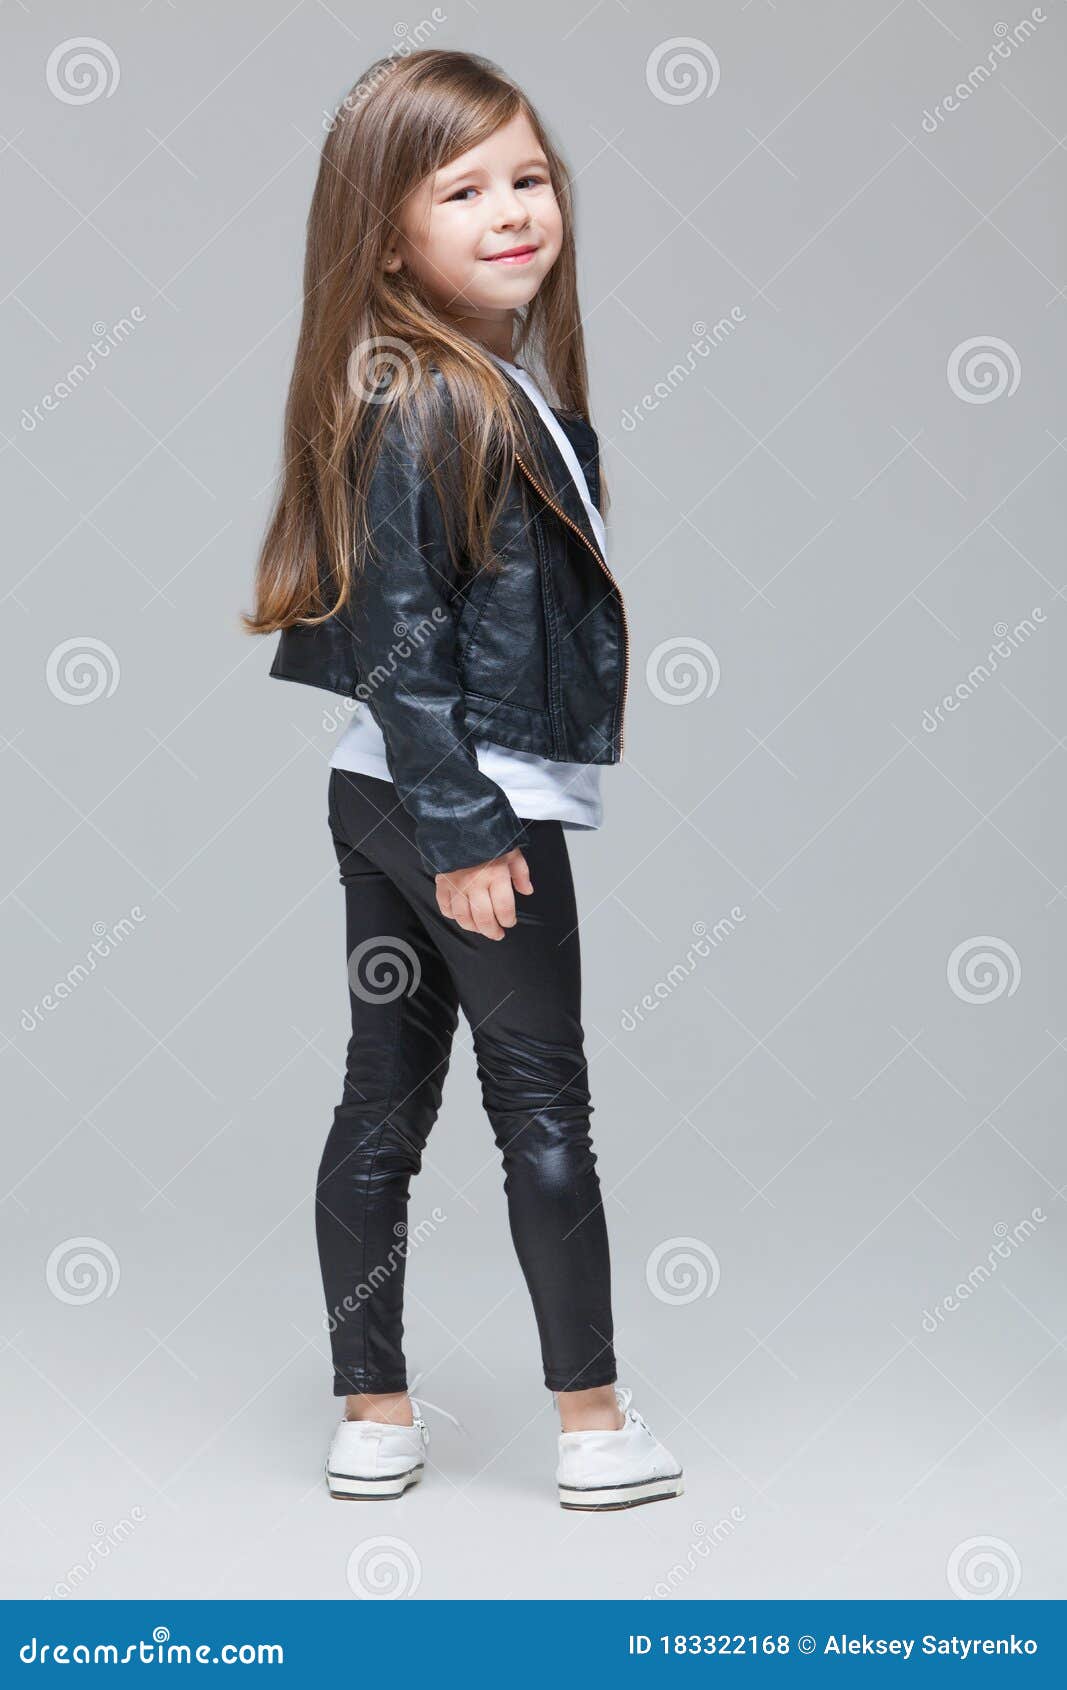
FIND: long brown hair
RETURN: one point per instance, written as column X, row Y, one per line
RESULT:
column 369, row 337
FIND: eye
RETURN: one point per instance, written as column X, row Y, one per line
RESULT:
column 533, row 177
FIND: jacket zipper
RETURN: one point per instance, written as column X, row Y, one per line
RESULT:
column 588, row 543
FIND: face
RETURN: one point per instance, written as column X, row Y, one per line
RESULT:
column 457, row 223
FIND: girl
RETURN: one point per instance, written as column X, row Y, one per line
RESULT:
column 437, row 552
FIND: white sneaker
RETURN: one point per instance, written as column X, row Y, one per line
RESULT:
column 375, row 1459
column 616, row 1469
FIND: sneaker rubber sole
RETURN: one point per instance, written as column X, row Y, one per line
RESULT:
column 350, row 1487
column 600, row 1498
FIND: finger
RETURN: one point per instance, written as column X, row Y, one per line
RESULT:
column 450, row 884
column 520, row 873
column 461, row 912
column 503, row 900
column 482, row 910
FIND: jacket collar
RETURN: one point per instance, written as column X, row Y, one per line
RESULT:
column 586, row 449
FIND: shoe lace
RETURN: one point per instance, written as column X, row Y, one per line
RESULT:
column 421, row 1402
column 624, row 1397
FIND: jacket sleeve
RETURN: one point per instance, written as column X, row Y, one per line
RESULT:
column 402, row 623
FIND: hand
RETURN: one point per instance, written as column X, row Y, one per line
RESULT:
column 482, row 899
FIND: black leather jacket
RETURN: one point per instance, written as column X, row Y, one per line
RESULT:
column 534, row 657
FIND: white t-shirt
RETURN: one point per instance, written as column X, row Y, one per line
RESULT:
column 536, row 787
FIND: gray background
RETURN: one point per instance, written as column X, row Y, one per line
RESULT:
column 831, row 1134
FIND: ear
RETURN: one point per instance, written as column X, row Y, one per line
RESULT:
column 392, row 259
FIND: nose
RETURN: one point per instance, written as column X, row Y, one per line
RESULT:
column 510, row 212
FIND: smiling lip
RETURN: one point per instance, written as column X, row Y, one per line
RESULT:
column 514, row 255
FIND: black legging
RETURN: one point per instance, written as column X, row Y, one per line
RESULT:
column 410, row 971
